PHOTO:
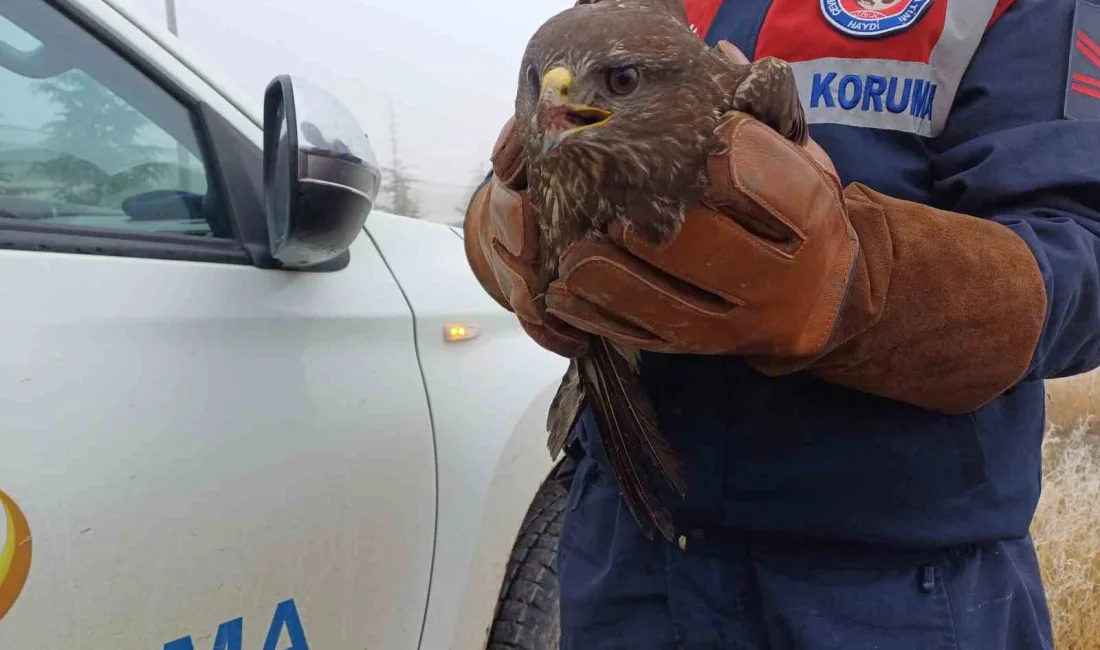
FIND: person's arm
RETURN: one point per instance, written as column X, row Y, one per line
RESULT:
column 781, row 266
column 1008, row 154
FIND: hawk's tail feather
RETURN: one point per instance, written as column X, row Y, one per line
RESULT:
column 565, row 410
column 628, row 429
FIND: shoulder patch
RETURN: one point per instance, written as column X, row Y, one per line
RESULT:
column 905, row 81
column 873, row 18
column 1082, row 97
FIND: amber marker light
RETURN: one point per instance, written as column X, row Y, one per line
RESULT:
column 455, row 332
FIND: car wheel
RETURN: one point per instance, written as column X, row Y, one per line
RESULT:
column 528, row 607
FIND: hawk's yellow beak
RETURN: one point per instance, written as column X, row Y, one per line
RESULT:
column 558, row 117
column 557, row 81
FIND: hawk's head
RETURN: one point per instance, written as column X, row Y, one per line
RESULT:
column 604, row 67
column 621, row 94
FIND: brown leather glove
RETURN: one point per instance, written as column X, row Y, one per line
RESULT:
column 501, row 240
column 780, row 265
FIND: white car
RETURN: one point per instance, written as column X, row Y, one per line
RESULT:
column 232, row 414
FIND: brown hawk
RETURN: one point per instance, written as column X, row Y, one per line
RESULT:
column 617, row 106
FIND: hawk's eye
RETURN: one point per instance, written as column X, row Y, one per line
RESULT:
column 623, row 81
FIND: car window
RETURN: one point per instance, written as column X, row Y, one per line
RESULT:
column 87, row 140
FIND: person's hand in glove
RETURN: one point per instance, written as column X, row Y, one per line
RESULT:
column 501, row 238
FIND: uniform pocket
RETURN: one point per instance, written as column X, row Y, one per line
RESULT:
column 816, row 607
column 590, row 510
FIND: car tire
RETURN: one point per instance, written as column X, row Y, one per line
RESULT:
column 528, row 608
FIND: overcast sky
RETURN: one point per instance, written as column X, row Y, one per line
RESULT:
column 448, row 66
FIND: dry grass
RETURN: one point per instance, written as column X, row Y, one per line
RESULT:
column 1071, row 401
column 1067, row 525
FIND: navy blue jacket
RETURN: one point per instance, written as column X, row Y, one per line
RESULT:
column 965, row 109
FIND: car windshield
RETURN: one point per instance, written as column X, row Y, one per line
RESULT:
column 86, row 139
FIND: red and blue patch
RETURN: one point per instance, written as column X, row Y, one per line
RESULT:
column 1082, row 100
column 873, row 18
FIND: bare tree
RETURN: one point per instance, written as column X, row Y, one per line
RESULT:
column 398, row 181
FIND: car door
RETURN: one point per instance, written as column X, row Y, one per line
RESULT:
column 207, row 453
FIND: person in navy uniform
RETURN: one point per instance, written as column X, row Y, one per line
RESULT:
column 862, row 437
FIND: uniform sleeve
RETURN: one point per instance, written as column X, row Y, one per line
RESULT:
column 1007, row 154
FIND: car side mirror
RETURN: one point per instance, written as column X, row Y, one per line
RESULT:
column 320, row 174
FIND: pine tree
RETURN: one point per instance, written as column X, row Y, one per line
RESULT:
column 398, row 183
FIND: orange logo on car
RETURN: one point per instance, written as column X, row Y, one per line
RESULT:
column 15, row 552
